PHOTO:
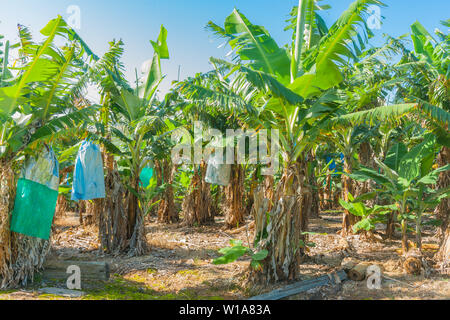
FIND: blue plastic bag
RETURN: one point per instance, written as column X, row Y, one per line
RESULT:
column 332, row 165
column 88, row 178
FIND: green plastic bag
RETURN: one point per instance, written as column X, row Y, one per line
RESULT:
column 34, row 209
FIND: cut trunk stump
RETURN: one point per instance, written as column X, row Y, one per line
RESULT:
column 57, row 270
column 412, row 263
column 359, row 272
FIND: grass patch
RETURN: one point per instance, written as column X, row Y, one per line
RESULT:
column 189, row 273
column 124, row 289
column 151, row 271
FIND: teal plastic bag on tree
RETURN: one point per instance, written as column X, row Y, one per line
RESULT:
column 145, row 176
column 36, row 196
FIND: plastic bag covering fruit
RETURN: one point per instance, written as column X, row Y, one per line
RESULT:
column 36, row 196
column 218, row 173
column 44, row 170
column 145, row 176
column 88, row 178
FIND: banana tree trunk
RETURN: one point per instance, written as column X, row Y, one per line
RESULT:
column 327, row 195
column 442, row 211
column 390, row 225
column 366, row 159
column 132, row 206
column 234, row 195
column 159, row 182
column 269, row 185
column 6, row 203
column 113, row 220
column 283, row 236
column 249, row 197
column 405, row 246
column 197, row 205
column 444, row 252
column 216, row 200
column 81, row 207
column 167, row 212
column 136, row 223
column 28, row 257
column 315, row 200
column 93, row 211
column 336, row 195
column 263, row 199
column 20, row 256
column 347, row 187
column 61, row 206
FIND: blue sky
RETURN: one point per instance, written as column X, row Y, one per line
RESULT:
column 137, row 22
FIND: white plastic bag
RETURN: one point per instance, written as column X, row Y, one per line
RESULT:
column 217, row 172
column 43, row 170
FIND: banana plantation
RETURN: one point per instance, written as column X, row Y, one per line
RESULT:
column 327, row 155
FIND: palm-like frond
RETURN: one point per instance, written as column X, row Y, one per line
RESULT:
column 315, row 27
column 108, row 71
column 336, row 46
column 154, row 77
column 334, row 50
column 220, row 100
column 253, row 44
column 391, row 113
column 40, row 68
column 270, row 85
column 64, row 122
column 109, row 146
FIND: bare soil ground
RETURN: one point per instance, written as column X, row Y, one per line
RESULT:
column 179, row 265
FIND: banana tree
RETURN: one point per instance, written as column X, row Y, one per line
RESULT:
column 348, row 142
column 367, row 85
column 132, row 119
column 368, row 216
column 36, row 105
column 197, row 205
column 423, row 81
column 212, row 98
column 133, row 134
column 295, row 96
column 405, row 179
column 427, row 73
